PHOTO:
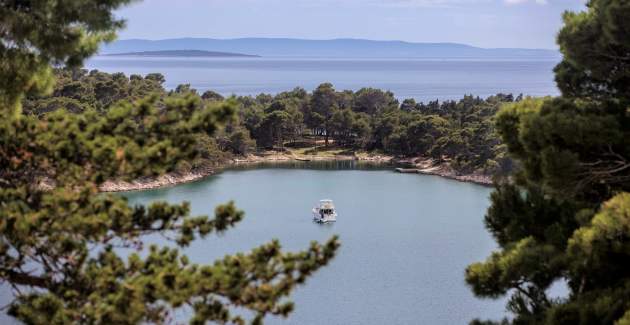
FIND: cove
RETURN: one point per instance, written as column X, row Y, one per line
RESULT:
column 406, row 239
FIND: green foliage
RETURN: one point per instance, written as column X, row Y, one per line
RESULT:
column 374, row 101
column 596, row 44
column 212, row 95
column 461, row 132
column 565, row 214
column 240, row 142
column 273, row 129
column 94, row 89
column 59, row 237
column 39, row 33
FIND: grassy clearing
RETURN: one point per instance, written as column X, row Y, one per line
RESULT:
column 320, row 151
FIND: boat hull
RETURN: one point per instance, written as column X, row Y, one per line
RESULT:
column 325, row 219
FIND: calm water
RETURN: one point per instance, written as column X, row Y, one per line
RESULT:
column 406, row 240
column 421, row 79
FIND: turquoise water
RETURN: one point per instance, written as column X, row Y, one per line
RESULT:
column 406, row 239
column 422, row 79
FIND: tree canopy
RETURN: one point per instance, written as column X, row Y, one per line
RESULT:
column 460, row 132
column 564, row 217
column 59, row 241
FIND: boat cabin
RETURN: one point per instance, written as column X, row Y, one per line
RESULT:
column 325, row 212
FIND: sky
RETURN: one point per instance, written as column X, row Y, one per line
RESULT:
column 483, row 23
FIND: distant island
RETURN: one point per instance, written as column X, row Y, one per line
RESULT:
column 335, row 48
column 183, row 53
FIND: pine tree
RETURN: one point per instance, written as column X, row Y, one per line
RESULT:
column 565, row 216
column 57, row 243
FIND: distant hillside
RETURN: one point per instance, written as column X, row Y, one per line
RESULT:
column 355, row 48
column 183, row 53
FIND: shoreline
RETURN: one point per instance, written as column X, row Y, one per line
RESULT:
column 428, row 166
column 419, row 165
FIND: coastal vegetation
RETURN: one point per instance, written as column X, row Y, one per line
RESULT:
column 564, row 215
column 460, row 133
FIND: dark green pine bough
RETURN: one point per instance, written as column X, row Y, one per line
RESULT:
column 57, row 247
column 566, row 215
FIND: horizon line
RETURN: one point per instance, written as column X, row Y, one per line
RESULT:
column 336, row 39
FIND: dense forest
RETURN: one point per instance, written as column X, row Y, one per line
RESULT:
column 459, row 132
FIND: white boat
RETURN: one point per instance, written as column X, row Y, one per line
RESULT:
column 325, row 212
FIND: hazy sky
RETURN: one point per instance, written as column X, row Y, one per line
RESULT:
column 485, row 23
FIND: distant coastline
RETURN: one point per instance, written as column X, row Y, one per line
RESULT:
column 184, row 53
column 340, row 48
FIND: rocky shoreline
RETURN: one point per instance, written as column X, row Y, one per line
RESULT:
column 421, row 165
column 149, row 183
column 431, row 167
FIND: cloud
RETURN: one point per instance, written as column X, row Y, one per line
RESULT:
column 410, row 3
column 425, row 3
column 438, row 3
column 516, row 2
column 445, row 4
